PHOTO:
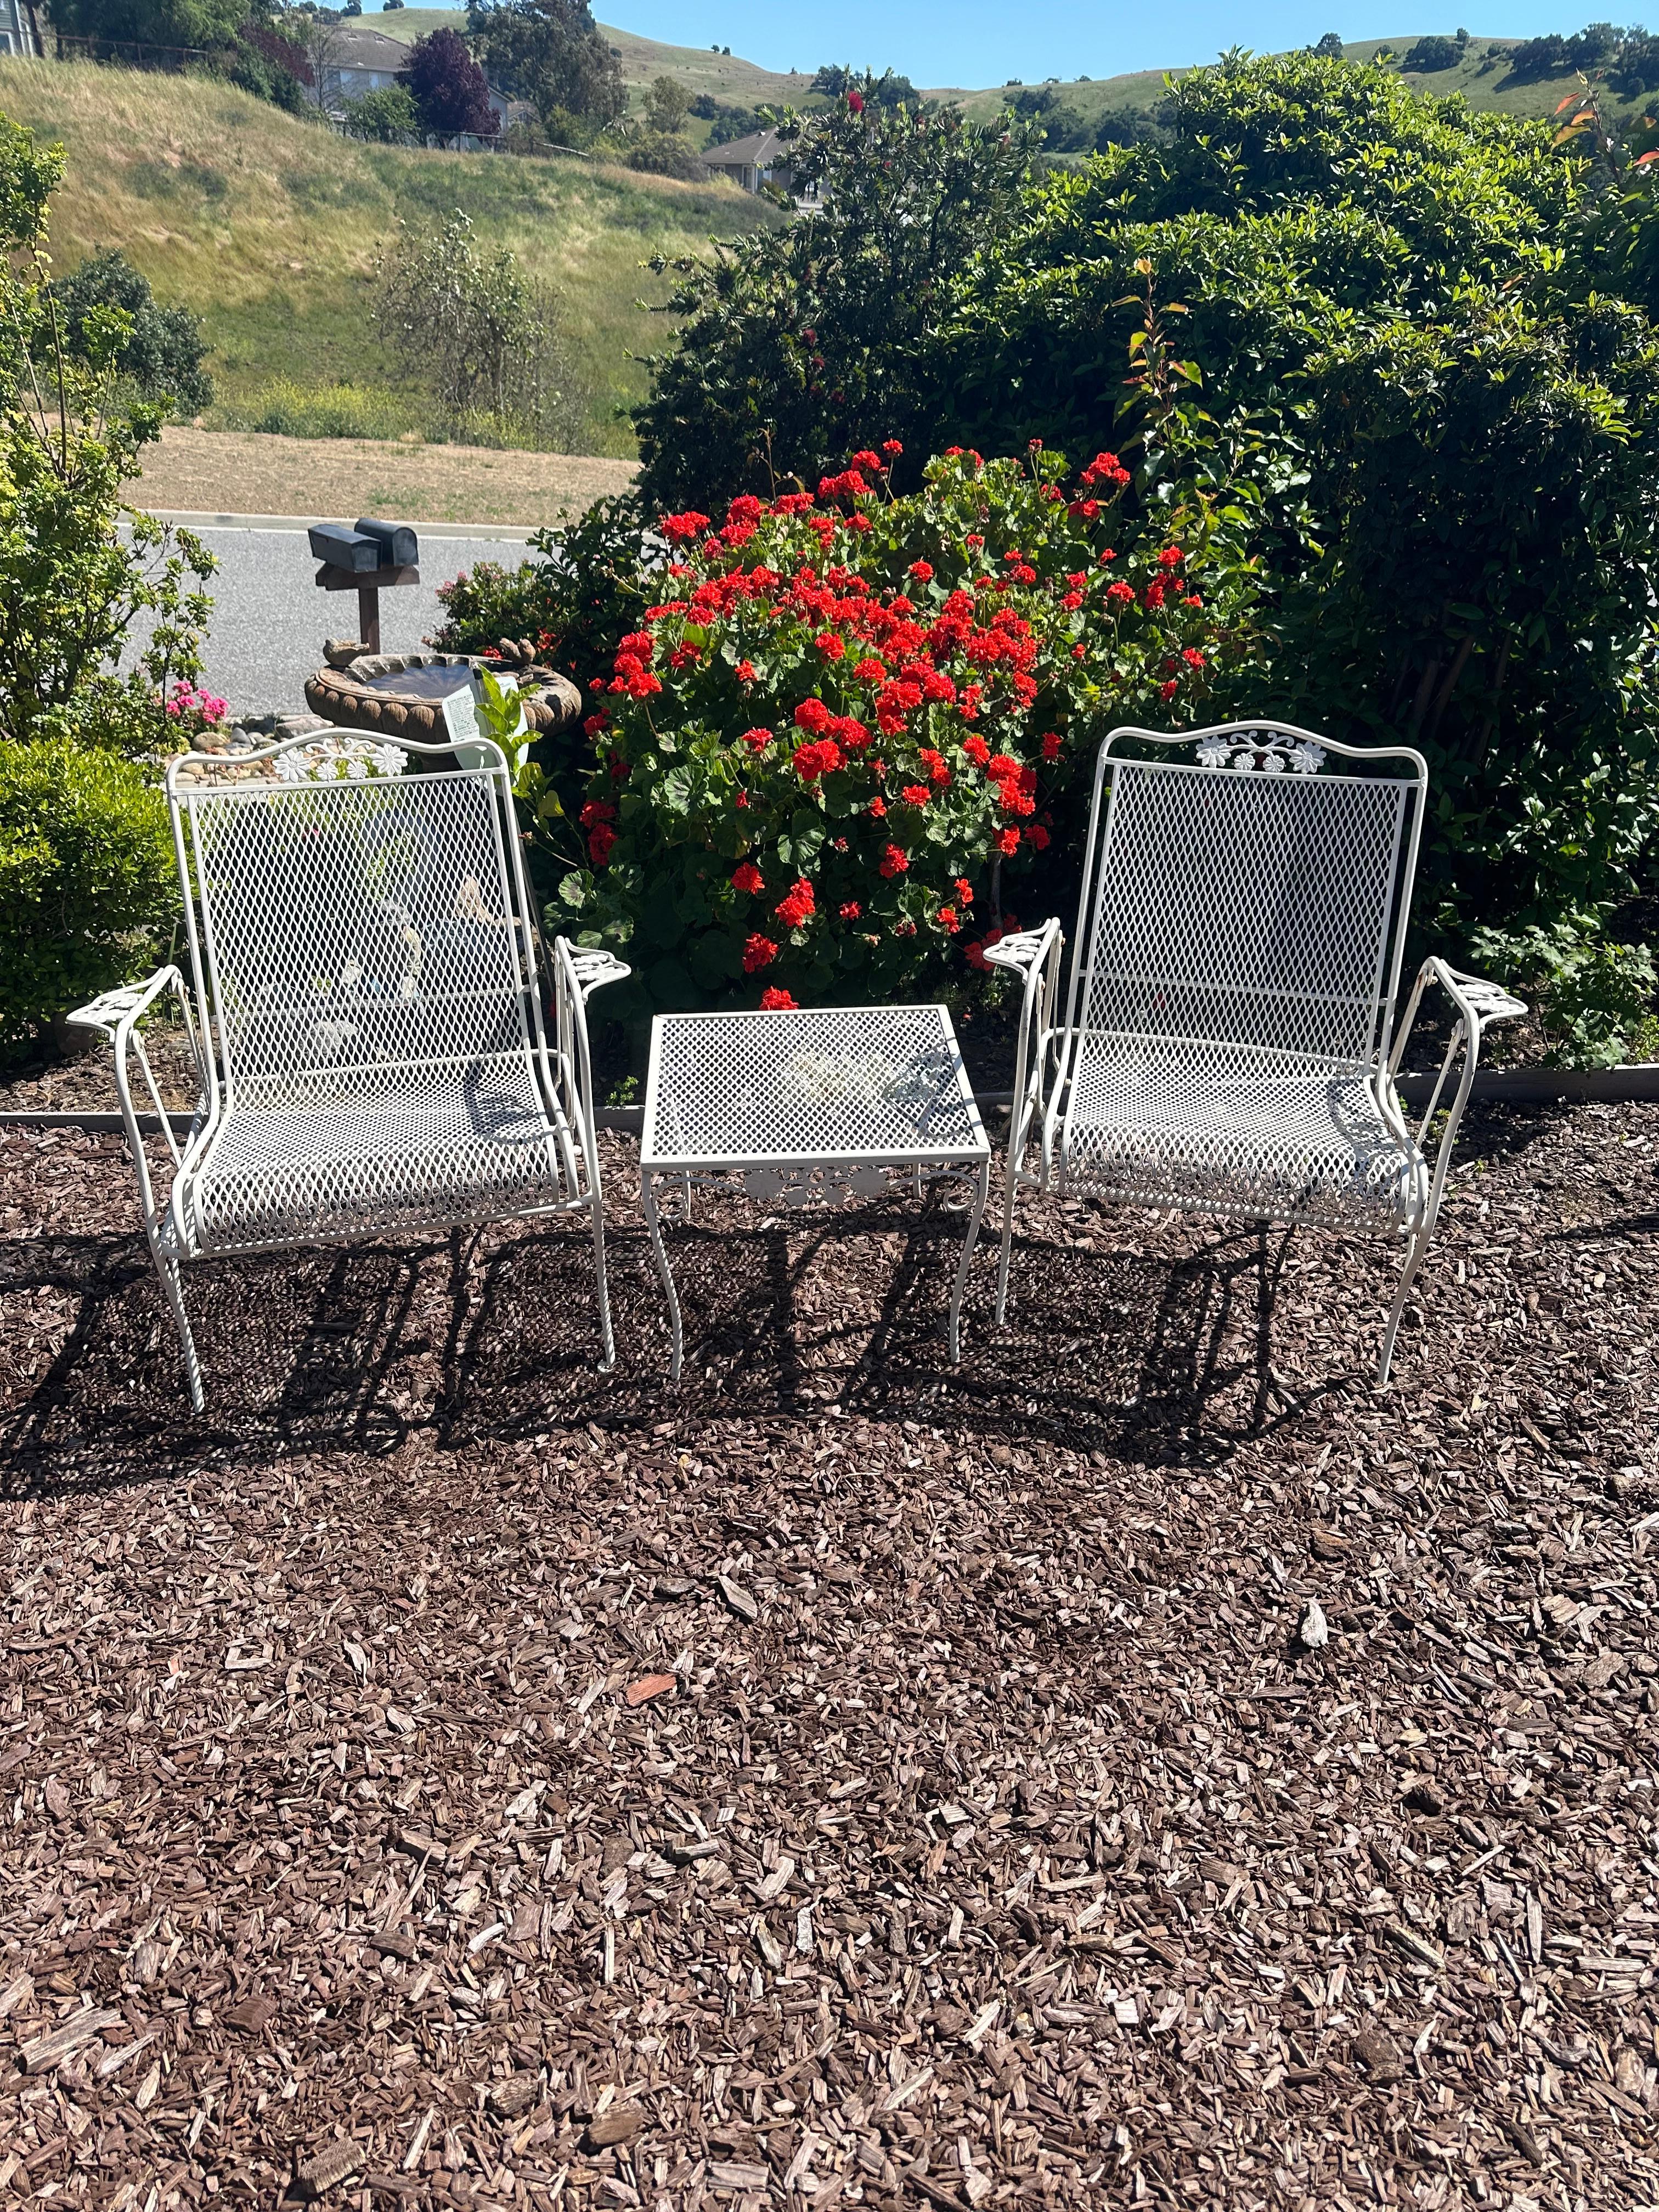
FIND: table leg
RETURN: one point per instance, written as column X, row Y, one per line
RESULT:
column 649, row 1195
column 981, row 1193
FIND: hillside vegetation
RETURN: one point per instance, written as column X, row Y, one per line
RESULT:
column 268, row 226
column 1481, row 76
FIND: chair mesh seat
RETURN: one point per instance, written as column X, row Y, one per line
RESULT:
column 430, row 1156
column 1259, row 1134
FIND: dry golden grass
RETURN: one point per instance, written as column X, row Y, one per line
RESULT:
column 238, row 473
column 268, row 226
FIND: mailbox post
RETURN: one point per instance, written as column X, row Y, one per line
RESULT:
column 366, row 560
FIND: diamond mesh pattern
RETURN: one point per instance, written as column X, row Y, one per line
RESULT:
column 1232, row 1002
column 825, row 1083
column 370, row 999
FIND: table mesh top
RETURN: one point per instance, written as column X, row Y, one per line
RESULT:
column 821, row 1083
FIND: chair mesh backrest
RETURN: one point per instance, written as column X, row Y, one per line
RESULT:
column 354, row 933
column 1244, row 910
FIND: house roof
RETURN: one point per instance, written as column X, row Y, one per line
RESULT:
column 354, row 46
column 758, row 151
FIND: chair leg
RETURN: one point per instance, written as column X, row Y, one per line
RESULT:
column 981, row 1193
column 1414, row 1260
column 595, row 1208
column 1007, row 1241
column 167, row 1268
column 648, row 1196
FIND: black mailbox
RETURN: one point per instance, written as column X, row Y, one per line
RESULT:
column 399, row 548
column 362, row 560
column 352, row 550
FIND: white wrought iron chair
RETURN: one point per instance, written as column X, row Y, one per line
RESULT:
column 1229, row 1044
column 364, row 1013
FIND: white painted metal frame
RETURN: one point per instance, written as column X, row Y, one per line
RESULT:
column 365, row 1014
column 1228, row 1044
column 805, row 1105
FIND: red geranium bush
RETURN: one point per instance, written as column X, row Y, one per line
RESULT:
column 851, row 724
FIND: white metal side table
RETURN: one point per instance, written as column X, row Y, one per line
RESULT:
column 809, row 1105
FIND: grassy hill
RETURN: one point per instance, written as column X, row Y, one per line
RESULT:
column 1481, row 76
column 268, row 226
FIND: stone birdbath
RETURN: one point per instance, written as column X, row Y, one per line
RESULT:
column 401, row 695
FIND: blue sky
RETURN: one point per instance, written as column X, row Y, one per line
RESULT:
column 979, row 42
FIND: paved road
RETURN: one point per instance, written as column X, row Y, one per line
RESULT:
column 269, row 619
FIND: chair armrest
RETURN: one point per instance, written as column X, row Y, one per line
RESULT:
column 116, row 1015
column 1478, row 1003
column 106, row 1013
column 1023, row 950
column 579, row 970
column 591, row 969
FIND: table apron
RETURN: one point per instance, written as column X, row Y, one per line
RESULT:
column 737, row 1164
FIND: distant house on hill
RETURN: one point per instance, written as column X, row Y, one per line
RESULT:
column 763, row 158
column 20, row 30
column 357, row 60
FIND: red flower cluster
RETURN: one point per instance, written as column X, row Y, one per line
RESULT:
column 775, row 1001
column 596, row 818
column 822, row 757
column 798, row 909
column 746, row 877
column 758, row 952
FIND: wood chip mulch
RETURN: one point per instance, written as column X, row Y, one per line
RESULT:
column 447, row 1775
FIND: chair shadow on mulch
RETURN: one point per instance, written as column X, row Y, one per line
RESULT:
column 1156, row 1345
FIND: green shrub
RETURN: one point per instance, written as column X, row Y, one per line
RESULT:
column 388, row 117
column 576, row 595
column 88, row 887
column 798, row 346
column 163, row 354
column 1596, row 1004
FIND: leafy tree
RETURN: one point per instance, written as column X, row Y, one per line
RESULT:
column 1434, row 53
column 77, row 566
column 1539, row 57
column 1330, row 45
column 552, row 53
column 726, row 124
column 1455, row 461
column 271, row 67
column 162, row 357
column 212, row 25
column 388, row 117
column 798, row 344
column 480, row 333
column 449, row 89
column 668, row 106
